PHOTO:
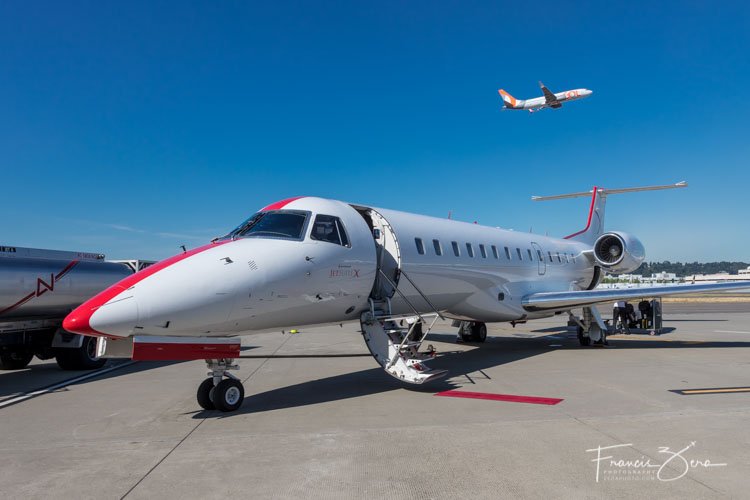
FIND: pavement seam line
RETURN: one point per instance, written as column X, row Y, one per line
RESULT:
column 59, row 385
column 162, row 459
column 148, row 473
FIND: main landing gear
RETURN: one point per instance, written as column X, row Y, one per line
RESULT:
column 218, row 392
column 472, row 331
column 590, row 328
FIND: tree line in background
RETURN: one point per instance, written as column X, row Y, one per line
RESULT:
column 689, row 268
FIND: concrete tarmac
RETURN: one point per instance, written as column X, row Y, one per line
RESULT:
column 340, row 427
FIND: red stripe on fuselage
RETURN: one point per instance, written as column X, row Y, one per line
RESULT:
column 591, row 212
column 78, row 320
column 280, row 204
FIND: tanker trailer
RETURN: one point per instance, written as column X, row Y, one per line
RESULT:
column 38, row 288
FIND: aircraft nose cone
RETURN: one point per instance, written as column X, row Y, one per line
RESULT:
column 116, row 319
column 78, row 321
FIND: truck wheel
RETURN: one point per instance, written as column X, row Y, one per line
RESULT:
column 81, row 358
column 15, row 360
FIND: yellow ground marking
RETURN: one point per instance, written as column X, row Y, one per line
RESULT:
column 706, row 299
column 708, row 391
column 630, row 337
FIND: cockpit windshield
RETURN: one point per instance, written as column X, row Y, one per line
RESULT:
column 287, row 224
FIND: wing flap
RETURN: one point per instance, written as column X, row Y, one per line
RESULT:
column 561, row 301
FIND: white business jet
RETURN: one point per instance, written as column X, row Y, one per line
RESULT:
column 312, row 261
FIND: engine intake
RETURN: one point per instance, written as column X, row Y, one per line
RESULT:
column 618, row 252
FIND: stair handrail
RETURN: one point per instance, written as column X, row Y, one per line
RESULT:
column 420, row 293
column 395, row 288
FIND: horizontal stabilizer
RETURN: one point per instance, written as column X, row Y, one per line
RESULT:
column 604, row 192
column 562, row 301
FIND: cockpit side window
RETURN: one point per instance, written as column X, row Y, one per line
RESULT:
column 330, row 229
column 273, row 224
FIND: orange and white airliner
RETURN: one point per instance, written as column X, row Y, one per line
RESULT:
column 548, row 100
column 313, row 261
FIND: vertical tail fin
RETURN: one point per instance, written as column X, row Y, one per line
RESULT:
column 595, row 225
column 509, row 100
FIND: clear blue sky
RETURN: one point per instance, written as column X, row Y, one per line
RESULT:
column 130, row 128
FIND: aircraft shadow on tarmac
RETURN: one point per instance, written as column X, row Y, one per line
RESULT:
column 42, row 375
column 38, row 376
column 470, row 364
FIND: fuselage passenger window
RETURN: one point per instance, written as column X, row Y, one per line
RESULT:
column 507, row 253
column 558, row 257
column 456, row 249
column 330, row 229
column 574, row 259
column 531, row 255
column 541, row 255
column 483, row 251
column 438, row 248
column 420, row 245
column 494, row 252
column 567, row 259
column 550, row 257
column 520, row 255
column 470, row 249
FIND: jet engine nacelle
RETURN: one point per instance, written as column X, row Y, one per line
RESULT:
column 618, row 252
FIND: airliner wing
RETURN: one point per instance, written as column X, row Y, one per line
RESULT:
column 549, row 97
column 561, row 301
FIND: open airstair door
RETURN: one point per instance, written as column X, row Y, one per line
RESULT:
column 388, row 253
column 394, row 346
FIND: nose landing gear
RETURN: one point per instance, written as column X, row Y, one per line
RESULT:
column 217, row 392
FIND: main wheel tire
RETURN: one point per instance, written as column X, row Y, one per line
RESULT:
column 582, row 339
column 81, row 358
column 228, row 395
column 478, row 332
column 15, row 360
column 204, row 394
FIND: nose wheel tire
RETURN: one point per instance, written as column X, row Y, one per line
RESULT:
column 228, row 395
column 204, row 394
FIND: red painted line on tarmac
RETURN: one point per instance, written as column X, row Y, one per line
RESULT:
column 500, row 397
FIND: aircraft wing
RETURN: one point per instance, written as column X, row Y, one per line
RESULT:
column 561, row 301
column 549, row 97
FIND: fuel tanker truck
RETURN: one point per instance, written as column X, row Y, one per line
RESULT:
column 38, row 288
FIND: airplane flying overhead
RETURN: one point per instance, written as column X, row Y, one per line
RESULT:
column 312, row 261
column 548, row 100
